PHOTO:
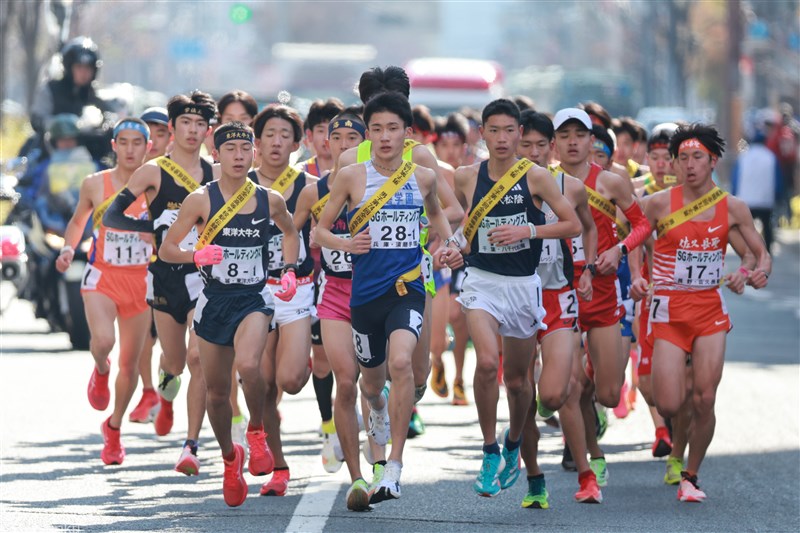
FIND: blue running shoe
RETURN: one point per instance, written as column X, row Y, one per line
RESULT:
column 487, row 483
column 509, row 474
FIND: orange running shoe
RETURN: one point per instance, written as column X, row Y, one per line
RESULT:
column 688, row 491
column 164, row 418
column 589, row 492
column 188, row 463
column 261, row 460
column 622, row 409
column 98, row 392
column 459, row 396
column 278, row 484
column 662, row 446
column 234, row 486
column 438, row 382
column 113, row 451
column 147, row 409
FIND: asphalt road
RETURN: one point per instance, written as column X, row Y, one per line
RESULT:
column 51, row 476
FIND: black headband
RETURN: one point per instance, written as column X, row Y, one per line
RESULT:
column 223, row 135
column 203, row 111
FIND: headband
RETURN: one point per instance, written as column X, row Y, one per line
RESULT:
column 600, row 145
column 223, row 135
column 658, row 145
column 132, row 125
column 693, row 144
column 347, row 123
column 203, row 111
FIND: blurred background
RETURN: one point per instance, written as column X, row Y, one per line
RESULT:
column 713, row 60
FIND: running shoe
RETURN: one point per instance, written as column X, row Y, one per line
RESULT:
column 330, row 462
column 688, row 490
column 113, row 451
column 389, row 486
column 567, row 462
column 537, row 495
column 589, row 491
column 543, row 411
column 510, row 472
column 416, row 426
column 147, row 408
column 673, row 473
column 377, row 476
column 357, row 497
column 366, row 451
column 188, row 463
column 487, row 483
column 234, row 486
column 438, row 382
column 278, row 484
column 600, row 420
column 600, row 469
column 98, row 392
column 239, row 429
column 164, row 418
column 459, row 396
column 261, row 460
column 168, row 385
column 622, row 409
column 662, row 446
column 379, row 425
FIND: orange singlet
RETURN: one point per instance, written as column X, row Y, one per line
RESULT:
column 117, row 265
column 688, row 264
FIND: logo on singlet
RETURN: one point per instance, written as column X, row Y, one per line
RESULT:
column 259, row 221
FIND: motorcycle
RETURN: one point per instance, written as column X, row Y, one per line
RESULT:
column 57, row 297
column 13, row 259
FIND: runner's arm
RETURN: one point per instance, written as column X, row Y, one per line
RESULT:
column 742, row 219
column 192, row 213
column 144, row 180
column 302, row 209
column 589, row 230
column 340, row 193
column 450, row 256
column 447, row 199
column 76, row 224
column 568, row 225
column 282, row 219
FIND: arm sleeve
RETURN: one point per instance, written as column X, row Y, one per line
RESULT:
column 640, row 226
column 735, row 179
column 115, row 216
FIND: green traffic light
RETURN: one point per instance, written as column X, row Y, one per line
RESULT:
column 240, row 13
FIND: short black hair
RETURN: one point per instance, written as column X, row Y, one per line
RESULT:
column 279, row 111
column 423, row 121
column 248, row 102
column 705, row 133
column 455, row 123
column 322, row 111
column 531, row 120
column 501, row 106
column 198, row 99
column 377, row 80
column 391, row 102
column 601, row 134
column 593, row 109
column 524, row 102
column 625, row 125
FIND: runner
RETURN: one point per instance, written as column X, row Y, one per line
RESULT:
column 233, row 217
column 286, row 362
column 628, row 145
column 559, row 385
column 387, row 298
column 113, row 286
column 346, row 130
column 688, row 314
column 146, row 410
column 501, row 294
column 316, row 128
column 173, row 289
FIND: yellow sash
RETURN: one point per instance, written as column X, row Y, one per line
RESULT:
column 632, row 167
column 493, row 197
column 381, row 196
column 97, row 216
column 317, row 208
column 286, row 178
column 225, row 215
column 178, row 173
column 607, row 208
column 687, row 212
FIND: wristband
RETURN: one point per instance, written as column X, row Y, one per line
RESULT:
column 591, row 268
column 533, row 230
column 744, row 272
column 67, row 248
column 288, row 266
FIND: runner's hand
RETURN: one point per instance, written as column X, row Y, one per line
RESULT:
column 735, row 281
column 638, row 289
column 64, row 259
column 508, row 234
column 757, row 279
column 608, row 261
column 360, row 244
column 585, row 286
column 208, row 255
column 450, row 256
column 288, row 286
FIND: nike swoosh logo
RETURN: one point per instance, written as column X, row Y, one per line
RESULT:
column 715, row 228
column 259, row 221
column 718, row 322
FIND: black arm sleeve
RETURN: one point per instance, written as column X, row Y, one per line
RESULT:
column 115, row 216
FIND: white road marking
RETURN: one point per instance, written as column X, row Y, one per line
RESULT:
column 312, row 511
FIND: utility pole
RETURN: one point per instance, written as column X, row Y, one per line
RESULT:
column 731, row 119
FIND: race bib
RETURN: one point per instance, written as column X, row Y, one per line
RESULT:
column 578, row 255
column 489, row 223
column 427, row 267
column 698, row 268
column 242, row 265
column 659, row 309
column 569, row 304
column 361, row 345
column 549, row 251
column 275, row 254
column 394, row 229
column 125, row 248
column 338, row 260
column 91, row 277
column 167, row 218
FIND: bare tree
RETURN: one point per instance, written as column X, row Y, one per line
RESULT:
column 29, row 18
column 6, row 14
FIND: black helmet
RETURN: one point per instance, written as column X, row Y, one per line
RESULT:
column 62, row 126
column 80, row 50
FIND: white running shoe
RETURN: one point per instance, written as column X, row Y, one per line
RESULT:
column 389, row 487
column 330, row 462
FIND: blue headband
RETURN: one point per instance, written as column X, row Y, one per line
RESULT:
column 347, row 123
column 600, row 145
column 132, row 125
